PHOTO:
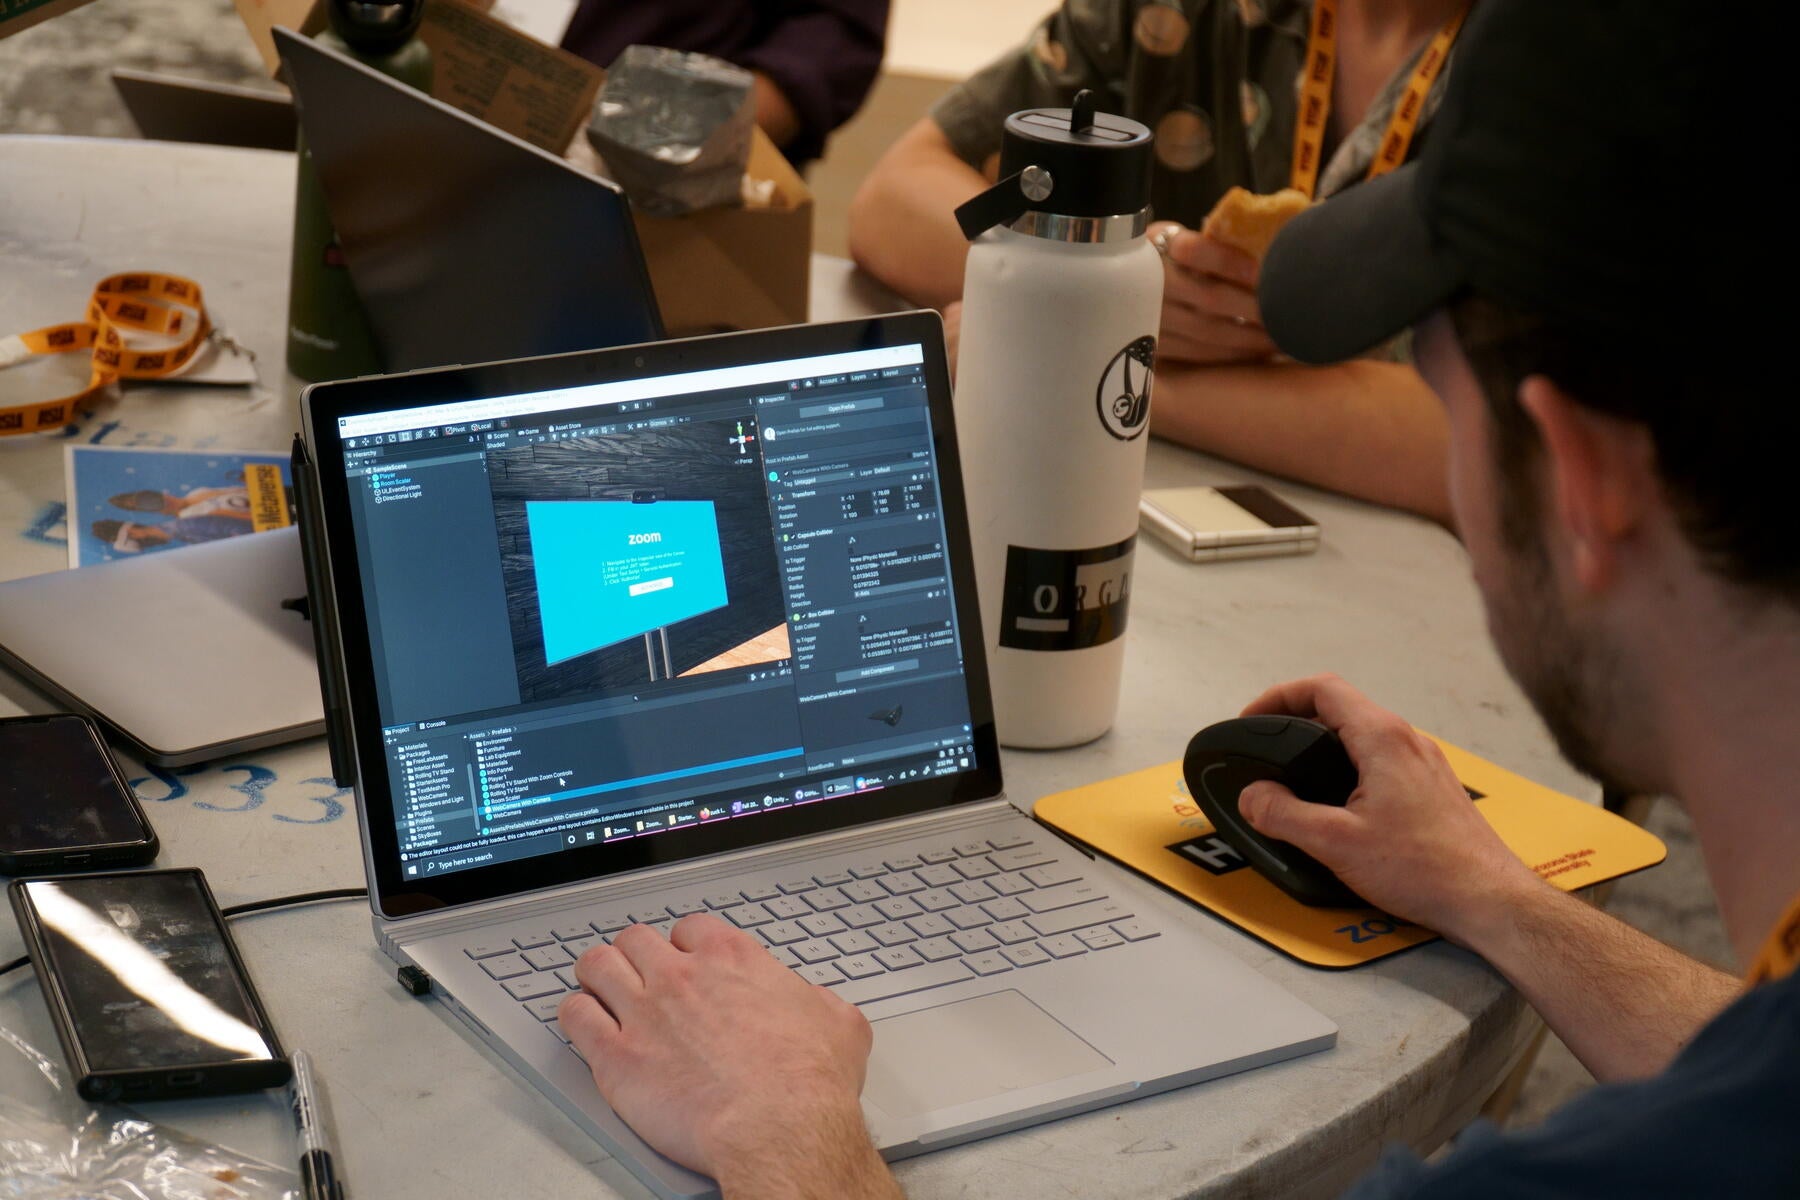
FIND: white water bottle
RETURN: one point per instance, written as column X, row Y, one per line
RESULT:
column 1061, row 304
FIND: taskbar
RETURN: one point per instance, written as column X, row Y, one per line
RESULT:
column 947, row 759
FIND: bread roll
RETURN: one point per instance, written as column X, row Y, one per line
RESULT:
column 1251, row 222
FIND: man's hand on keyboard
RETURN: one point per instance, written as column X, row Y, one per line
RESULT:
column 728, row 1062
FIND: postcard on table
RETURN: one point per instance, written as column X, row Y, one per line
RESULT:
column 127, row 500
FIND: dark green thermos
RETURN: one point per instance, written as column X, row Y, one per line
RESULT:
column 328, row 332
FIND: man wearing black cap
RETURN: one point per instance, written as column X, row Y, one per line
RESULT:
column 1619, row 492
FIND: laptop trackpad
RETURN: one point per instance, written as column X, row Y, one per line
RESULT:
column 969, row 1050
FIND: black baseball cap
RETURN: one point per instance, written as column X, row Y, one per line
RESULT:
column 1570, row 154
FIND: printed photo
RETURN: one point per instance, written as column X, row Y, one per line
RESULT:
column 127, row 501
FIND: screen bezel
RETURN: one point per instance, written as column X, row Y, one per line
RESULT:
column 391, row 894
column 18, row 860
column 101, row 1081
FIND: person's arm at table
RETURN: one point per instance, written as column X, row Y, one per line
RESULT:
column 1372, row 430
column 729, row 1063
column 1411, row 843
column 903, row 227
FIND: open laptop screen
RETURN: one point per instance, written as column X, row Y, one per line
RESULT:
column 606, row 614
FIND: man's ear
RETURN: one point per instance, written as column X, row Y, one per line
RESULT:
column 1600, row 472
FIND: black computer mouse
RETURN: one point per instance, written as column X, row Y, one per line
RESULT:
column 1223, row 759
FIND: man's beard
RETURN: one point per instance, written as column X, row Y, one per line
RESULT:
column 1576, row 682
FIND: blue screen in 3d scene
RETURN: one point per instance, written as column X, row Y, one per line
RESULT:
column 608, row 570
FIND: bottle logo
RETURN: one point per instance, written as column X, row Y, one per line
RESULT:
column 1123, row 398
column 1066, row 599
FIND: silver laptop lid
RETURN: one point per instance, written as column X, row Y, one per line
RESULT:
column 609, row 610
column 185, row 655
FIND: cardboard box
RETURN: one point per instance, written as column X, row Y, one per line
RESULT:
column 479, row 64
column 542, row 94
column 730, row 268
column 262, row 16
column 736, row 268
column 721, row 268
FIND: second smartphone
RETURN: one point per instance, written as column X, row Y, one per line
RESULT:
column 64, row 803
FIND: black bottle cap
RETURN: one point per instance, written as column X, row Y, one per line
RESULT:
column 375, row 26
column 1099, row 164
column 1073, row 162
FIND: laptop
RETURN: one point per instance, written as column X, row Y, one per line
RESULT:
column 691, row 627
column 168, row 108
column 465, row 243
column 183, row 655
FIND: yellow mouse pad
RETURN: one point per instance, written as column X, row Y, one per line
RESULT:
column 1147, row 821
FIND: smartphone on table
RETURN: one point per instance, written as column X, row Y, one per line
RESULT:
column 145, row 987
column 64, row 803
column 1247, row 521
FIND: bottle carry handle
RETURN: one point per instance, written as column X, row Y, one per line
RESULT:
column 1008, row 199
column 1001, row 204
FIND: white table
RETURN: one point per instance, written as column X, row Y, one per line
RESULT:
column 422, row 1111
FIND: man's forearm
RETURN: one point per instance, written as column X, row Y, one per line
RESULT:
column 1372, row 430
column 827, row 1158
column 903, row 227
column 1623, row 1002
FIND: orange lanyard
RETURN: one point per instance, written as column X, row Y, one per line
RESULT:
column 1781, row 953
column 145, row 301
column 1315, row 98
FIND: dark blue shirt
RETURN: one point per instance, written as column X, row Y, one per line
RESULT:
column 1722, row 1120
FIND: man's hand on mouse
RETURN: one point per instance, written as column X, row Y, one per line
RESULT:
column 1409, row 841
column 728, row 1062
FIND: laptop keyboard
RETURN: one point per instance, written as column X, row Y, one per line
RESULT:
column 870, row 931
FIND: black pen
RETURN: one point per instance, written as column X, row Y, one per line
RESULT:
column 318, row 1176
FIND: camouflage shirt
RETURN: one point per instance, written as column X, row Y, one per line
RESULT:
column 1217, row 81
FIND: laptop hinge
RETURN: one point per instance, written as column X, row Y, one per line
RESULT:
column 614, row 888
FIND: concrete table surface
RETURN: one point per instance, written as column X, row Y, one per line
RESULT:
column 421, row 1110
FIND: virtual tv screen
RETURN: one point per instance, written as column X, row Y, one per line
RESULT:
column 613, row 611
column 610, row 570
